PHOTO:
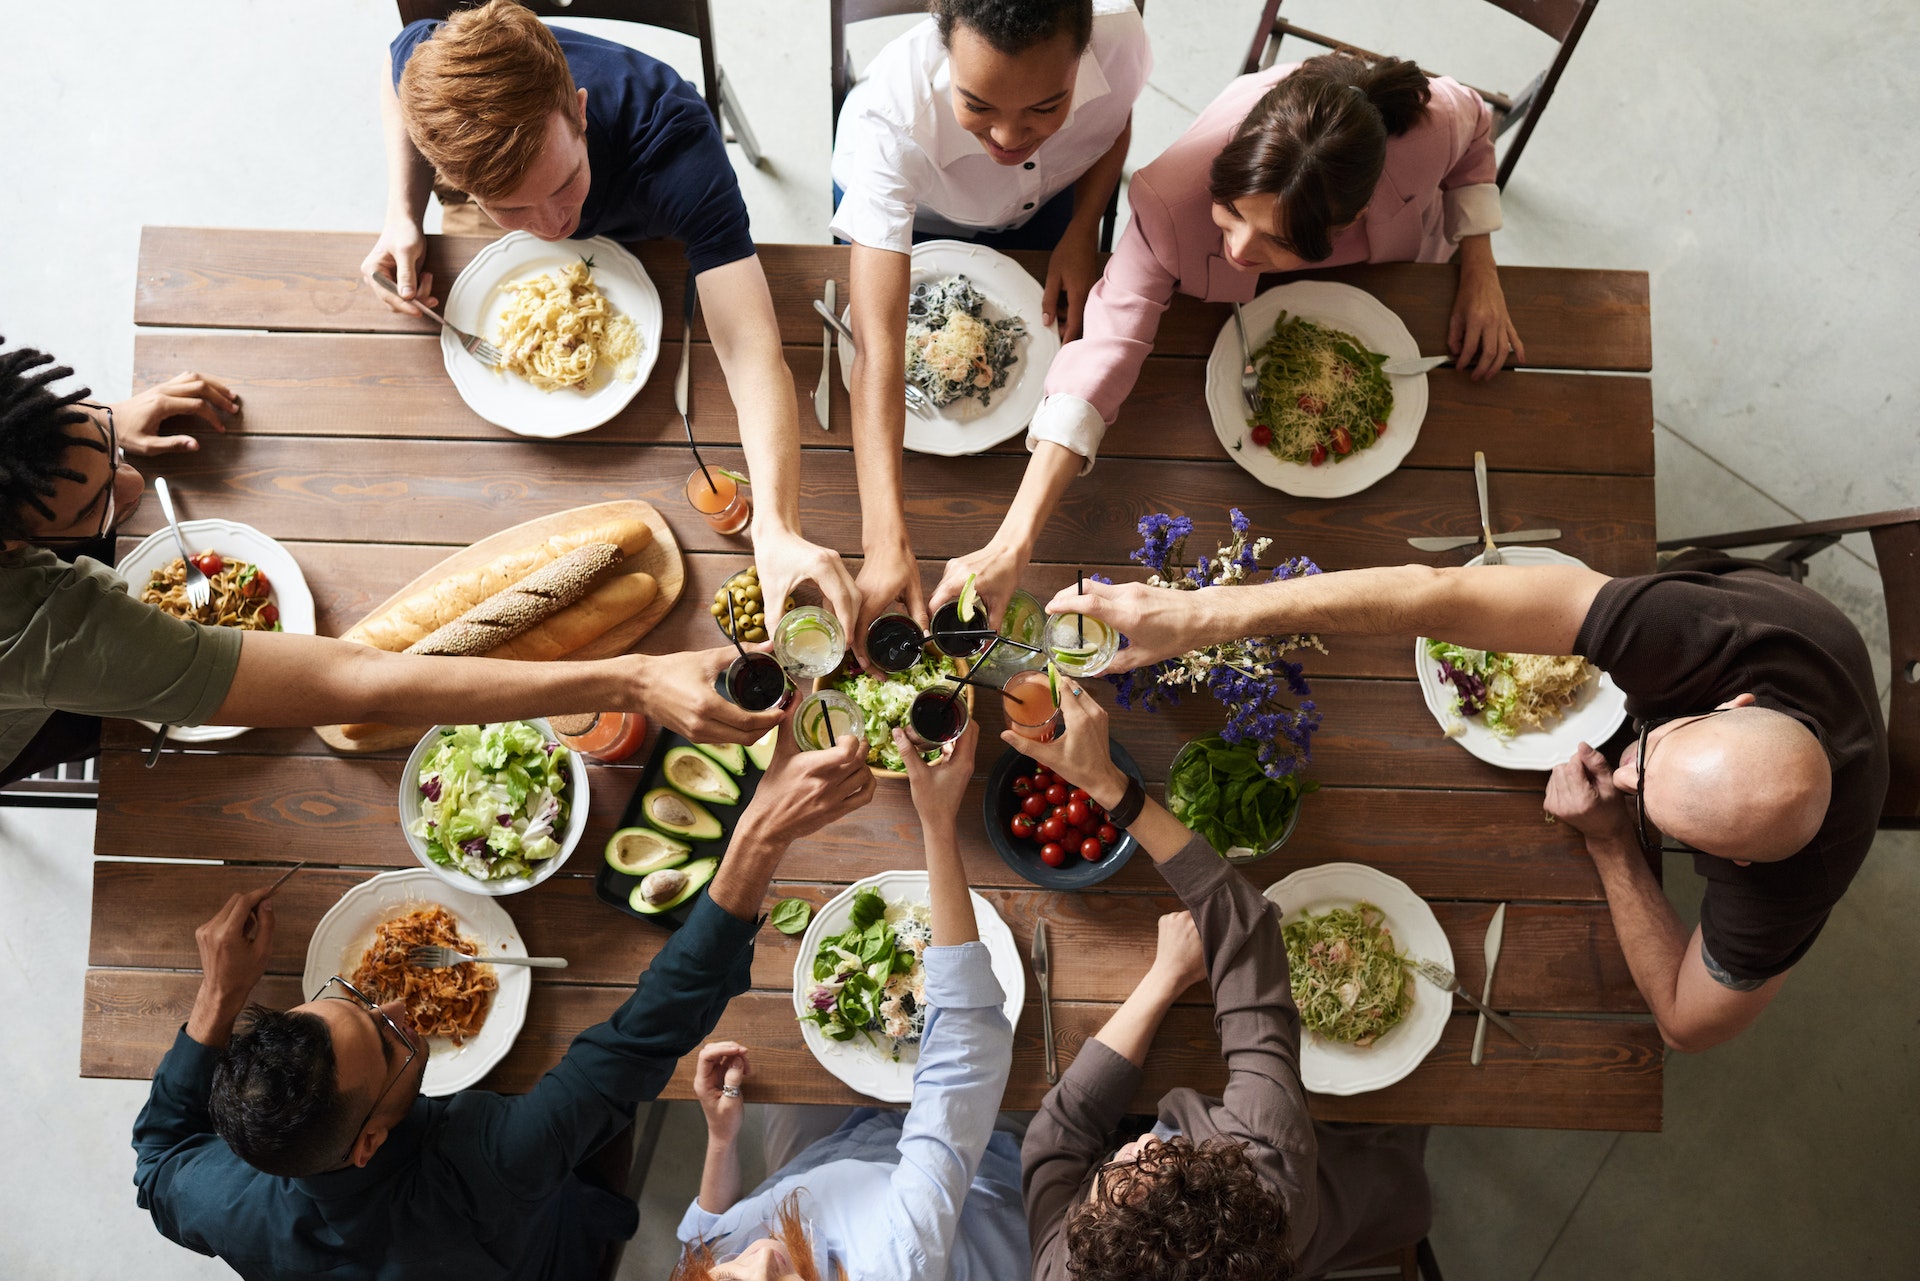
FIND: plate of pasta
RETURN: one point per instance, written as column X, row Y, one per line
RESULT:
column 1333, row 422
column 578, row 323
column 257, row 586
column 470, row 1014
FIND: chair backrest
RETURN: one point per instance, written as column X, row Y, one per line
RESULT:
column 687, row 17
column 840, row 15
column 1555, row 17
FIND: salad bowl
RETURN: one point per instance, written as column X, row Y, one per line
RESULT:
column 960, row 666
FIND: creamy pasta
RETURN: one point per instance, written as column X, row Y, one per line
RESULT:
column 558, row 329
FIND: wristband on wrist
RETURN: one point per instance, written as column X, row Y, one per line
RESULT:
column 1132, row 801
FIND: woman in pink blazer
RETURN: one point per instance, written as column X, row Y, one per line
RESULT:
column 1319, row 164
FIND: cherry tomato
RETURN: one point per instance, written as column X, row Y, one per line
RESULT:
column 255, row 586
column 1042, row 777
column 1077, row 813
column 1109, row 834
column 1091, row 849
column 1380, row 426
column 1342, row 440
column 1023, row 826
column 1053, row 854
column 1052, row 830
column 1080, row 794
column 1057, row 794
column 209, row 562
column 1033, row 806
column 1023, row 786
column 1261, row 434
column 270, row 615
column 1319, row 456
column 1312, row 405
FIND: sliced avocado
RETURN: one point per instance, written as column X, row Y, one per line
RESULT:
column 732, row 756
column 671, row 886
column 761, row 753
column 679, row 816
column 640, row 850
column 695, row 774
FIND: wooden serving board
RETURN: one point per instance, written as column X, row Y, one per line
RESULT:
column 660, row 557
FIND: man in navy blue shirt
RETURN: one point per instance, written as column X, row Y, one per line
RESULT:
column 568, row 136
column 350, row 1174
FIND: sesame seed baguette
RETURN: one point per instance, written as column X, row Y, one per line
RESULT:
column 509, row 613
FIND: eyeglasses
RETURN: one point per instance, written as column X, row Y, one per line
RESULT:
column 371, row 1006
column 116, row 458
column 1650, row 845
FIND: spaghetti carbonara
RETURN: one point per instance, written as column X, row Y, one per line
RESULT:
column 558, row 328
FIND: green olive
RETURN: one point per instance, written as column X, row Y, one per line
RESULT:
column 757, row 619
column 717, row 610
column 755, row 634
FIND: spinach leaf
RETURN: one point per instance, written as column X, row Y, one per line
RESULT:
column 790, row 915
column 868, row 907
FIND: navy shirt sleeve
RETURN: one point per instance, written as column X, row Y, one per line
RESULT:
column 410, row 38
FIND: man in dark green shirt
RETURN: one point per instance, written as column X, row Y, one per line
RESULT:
column 475, row 1186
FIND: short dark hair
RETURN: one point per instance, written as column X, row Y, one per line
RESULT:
column 33, row 436
column 1195, row 1212
column 1317, row 141
column 1015, row 26
column 275, row 1097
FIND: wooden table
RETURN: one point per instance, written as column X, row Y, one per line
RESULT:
column 358, row 454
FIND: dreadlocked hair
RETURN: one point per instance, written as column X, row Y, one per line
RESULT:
column 33, row 436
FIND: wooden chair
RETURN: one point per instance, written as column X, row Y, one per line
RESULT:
column 1564, row 20
column 688, row 17
column 74, row 786
column 1413, row 1263
column 1896, row 545
column 843, row 13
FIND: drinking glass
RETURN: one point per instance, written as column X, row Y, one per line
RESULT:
column 721, row 499
column 824, row 710
column 1081, row 646
column 809, row 642
column 937, row 716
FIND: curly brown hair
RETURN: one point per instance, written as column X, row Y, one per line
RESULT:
column 1181, row 1211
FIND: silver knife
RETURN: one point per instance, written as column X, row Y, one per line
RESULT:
column 1453, row 542
column 1495, row 930
column 826, row 359
column 1040, row 968
column 1408, row 366
column 1492, row 556
column 1249, row 379
column 916, row 402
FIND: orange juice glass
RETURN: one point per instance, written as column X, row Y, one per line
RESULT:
column 721, row 499
column 1031, row 711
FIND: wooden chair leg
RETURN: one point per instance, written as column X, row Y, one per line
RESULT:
column 1427, row 1268
column 736, row 119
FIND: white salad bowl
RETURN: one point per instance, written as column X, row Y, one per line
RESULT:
column 576, row 800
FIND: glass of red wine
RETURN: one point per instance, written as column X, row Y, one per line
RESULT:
column 956, row 637
column 895, row 642
column 755, row 681
column 937, row 717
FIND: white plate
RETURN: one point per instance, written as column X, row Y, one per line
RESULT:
column 860, row 1063
column 233, row 541
column 1330, row 1067
column 1595, row 713
column 963, row 427
column 1342, row 307
column 478, row 298
column 344, row 933
column 576, row 800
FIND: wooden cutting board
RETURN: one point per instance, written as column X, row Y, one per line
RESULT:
column 660, row 557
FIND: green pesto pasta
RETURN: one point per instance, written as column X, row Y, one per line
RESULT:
column 1349, row 981
column 1321, row 393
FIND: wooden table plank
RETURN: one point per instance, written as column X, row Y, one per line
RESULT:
column 323, row 385
column 1589, row 1074
column 454, row 493
column 308, row 280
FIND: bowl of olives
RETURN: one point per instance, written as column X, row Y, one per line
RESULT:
column 749, row 609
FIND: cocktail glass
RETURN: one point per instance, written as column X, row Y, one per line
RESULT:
column 1081, row 645
column 1032, row 711
column 809, row 642
column 937, row 716
column 720, row 498
column 827, row 710
column 956, row 637
column 755, row 681
column 895, row 642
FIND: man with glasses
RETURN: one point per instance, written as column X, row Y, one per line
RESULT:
column 1760, row 747
column 76, row 646
column 300, row 1145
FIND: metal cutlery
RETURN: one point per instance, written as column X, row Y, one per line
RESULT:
column 1455, row 541
column 826, row 359
column 1442, row 977
column 1408, row 366
column 474, row 345
column 152, row 758
column 1491, row 950
column 916, row 399
column 199, row 586
column 1041, row 968
column 1249, row 377
column 253, row 918
column 1492, row 555
column 437, row 958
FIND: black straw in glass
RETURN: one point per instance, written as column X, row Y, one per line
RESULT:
column 733, row 627
column 1080, row 620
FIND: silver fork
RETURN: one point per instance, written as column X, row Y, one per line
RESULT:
column 199, row 587
column 1249, row 377
column 474, row 345
column 1443, row 978
column 916, row 399
column 1492, row 555
column 429, row 957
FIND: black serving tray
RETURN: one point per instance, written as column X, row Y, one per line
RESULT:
column 614, row 888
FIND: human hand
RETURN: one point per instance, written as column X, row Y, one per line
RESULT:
column 1178, row 958
column 718, row 1075
column 939, row 788
column 1581, row 794
column 802, row 792
column 676, row 690
column 1073, row 268
column 1480, row 333
column 888, row 574
column 785, row 560
column 1080, row 753
column 399, row 252
column 1157, row 623
column 996, row 573
column 234, row 947
column 137, row 419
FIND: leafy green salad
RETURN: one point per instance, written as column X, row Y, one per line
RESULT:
column 885, row 700
column 492, row 799
column 1348, row 979
column 868, row 980
column 1219, row 790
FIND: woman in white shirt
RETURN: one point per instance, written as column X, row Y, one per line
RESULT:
column 1006, row 125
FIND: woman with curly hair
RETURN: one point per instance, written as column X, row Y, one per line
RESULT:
column 1244, row 1187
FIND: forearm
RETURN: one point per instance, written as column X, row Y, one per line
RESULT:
column 949, row 898
column 409, row 176
column 746, row 340
column 1050, row 470
column 210, row 1022
column 753, row 855
column 879, row 281
column 720, row 1176
column 1131, row 1029
column 1476, row 254
column 1096, row 186
column 1159, row 832
column 1651, row 934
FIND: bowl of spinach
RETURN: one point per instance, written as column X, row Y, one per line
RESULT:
column 1219, row 790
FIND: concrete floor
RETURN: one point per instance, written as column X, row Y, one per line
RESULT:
column 1740, row 155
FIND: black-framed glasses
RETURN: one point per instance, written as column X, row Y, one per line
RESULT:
column 371, row 1006
column 116, row 457
column 1650, row 842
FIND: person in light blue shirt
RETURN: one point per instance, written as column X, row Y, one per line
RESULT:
column 929, row 1194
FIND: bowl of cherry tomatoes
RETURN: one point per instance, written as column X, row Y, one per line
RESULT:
column 1049, row 830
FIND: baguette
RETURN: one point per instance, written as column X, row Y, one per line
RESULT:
column 535, row 598
column 613, row 602
column 408, row 620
